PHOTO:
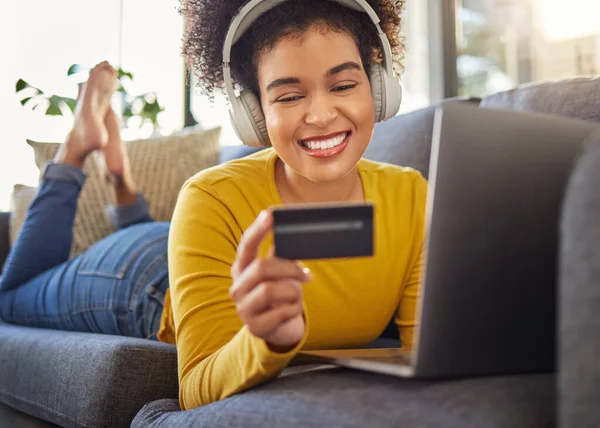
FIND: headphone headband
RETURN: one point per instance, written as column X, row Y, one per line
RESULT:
column 256, row 8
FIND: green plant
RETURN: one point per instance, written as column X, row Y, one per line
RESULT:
column 144, row 106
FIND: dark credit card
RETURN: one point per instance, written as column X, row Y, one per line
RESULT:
column 304, row 232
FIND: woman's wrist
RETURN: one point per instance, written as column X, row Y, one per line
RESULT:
column 281, row 349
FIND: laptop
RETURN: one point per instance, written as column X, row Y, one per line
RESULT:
column 488, row 303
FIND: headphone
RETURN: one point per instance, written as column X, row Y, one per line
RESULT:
column 245, row 111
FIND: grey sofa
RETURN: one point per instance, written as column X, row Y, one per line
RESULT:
column 88, row 380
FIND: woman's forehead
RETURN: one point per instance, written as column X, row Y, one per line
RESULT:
column 313, row 52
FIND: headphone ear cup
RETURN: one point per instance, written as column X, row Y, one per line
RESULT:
column 386, row 92
column 378, row 90
column 253, row 110
column 393, row 97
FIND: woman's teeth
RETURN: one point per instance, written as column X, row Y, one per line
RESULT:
column 325, row 144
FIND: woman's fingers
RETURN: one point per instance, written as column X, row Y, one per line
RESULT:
column 268, row 291
column 262, row 270
column 269, row 295
column 250, row 243
column 266, row 323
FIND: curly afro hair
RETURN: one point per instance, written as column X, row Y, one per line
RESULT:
column 207, row 23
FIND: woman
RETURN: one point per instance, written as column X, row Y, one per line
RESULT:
column 240, row 314
column 117, row 285
column 237, row 313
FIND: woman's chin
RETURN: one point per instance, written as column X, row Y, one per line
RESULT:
column 322, row 170
column 327, row 174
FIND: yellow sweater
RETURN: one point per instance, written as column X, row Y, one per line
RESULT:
column 347, row 304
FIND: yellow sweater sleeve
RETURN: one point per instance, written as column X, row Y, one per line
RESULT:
column 217, row 354
column 406, row 315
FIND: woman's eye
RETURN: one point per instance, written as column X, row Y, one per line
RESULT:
column 343, row 88
column 289, row 99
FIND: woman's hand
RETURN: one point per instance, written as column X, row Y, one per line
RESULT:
column 268, row 292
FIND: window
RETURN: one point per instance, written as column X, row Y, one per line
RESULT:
column 143, row 36
column 503, row 43
column 416, row 79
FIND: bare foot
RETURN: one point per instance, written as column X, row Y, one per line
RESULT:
column 89, row 132
column 116, row 162
column 95, row 102
column 115, row 155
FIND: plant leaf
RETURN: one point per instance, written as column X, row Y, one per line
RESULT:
column 73, row 69
column 34, row 101
column 152, row 109
column 71, row 103
column 24, row 100
column 122, row 73
column 21, row 84
column 54, row 107
column 127, row 113
column 53, row 111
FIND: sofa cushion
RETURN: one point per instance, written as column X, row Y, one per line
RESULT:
column 405, row 140
column 11, row 418
column 83, row 379
column 579, row 292
column 577, row 98
column 334, row 397
column 159, row 166
column 228, row 153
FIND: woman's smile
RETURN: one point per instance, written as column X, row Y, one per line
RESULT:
column 325, row 146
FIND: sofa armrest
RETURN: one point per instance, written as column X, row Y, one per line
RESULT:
column 579, row 294
column 83, row 379
column 4, row 233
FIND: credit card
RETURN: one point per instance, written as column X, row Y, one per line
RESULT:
column 311, row 231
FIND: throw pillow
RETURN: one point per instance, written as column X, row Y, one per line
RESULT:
column 160, row 166
column 21, row 199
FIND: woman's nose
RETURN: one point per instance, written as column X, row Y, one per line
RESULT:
column 321, row 111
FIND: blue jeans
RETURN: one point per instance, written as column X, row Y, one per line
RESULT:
column 115, row 287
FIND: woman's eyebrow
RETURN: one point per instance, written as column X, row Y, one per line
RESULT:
column 282, row 82
column 350, row 65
